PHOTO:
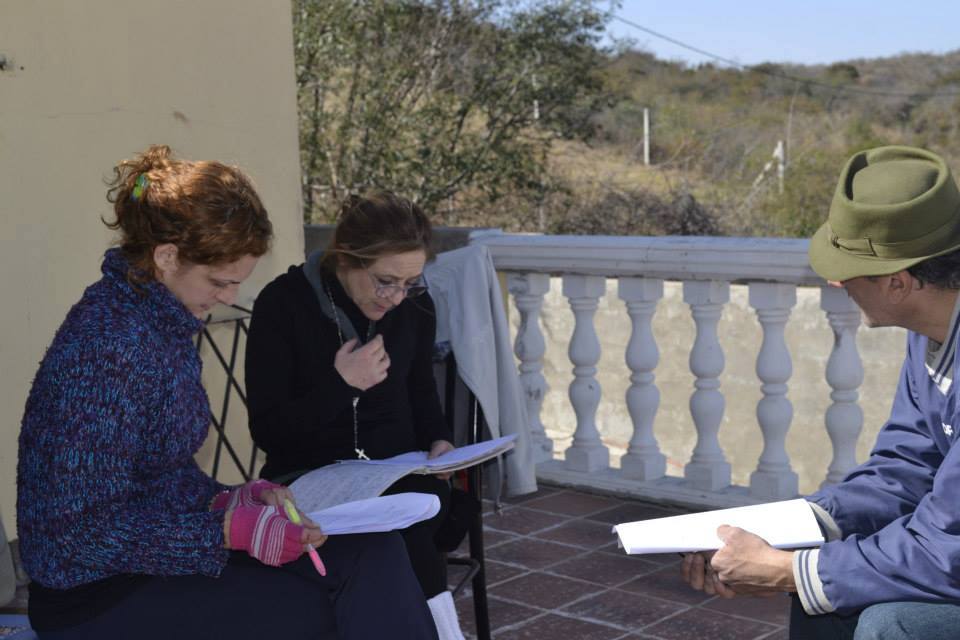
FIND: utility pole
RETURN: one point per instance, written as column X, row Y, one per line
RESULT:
column 646, row 137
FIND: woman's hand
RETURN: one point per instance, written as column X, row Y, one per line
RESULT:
column 364, row 367
column 275, row 495
column 438, row 448
column 251, row 493
column 311, row 531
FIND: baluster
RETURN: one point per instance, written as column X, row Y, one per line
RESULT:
column 844, row 418
column 528, row 290
column 643, row 460
column 773, row 479
column 707, row 469
column 587, row 452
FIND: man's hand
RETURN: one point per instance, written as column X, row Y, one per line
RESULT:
column 698, row 573
column 746, row 564
column 364, row 367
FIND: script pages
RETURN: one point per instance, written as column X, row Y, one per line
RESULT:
column 352, row 480
column 789, row 524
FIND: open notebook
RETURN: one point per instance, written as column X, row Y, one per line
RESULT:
column 350, row 480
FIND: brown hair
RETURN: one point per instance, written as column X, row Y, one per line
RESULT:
column 376, row 225
column 209, row 210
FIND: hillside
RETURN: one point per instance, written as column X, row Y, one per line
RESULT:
column 714, row 129
column 516, row 115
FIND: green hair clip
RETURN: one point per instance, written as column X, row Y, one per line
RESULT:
column 139, row 187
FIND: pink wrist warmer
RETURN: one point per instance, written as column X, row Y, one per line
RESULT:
column 246, row 495
column 266, row 534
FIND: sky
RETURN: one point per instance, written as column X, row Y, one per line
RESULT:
column 799, row 31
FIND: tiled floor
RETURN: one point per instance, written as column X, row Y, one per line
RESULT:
column 554, row 571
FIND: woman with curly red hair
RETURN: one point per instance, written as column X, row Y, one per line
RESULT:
column 120, row 531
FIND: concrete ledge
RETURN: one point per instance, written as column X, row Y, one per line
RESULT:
column 668, row 490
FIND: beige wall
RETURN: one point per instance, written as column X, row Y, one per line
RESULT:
column 89, row 83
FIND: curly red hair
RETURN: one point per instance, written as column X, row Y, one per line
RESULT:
column 209, row 210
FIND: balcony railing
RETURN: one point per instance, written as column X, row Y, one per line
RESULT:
column 772, row 269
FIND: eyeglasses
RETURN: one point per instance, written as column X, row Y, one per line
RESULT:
column 390, row 290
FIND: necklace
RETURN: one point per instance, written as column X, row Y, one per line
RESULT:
column 361, row 455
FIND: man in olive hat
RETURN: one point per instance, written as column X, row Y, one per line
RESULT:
column 891, row 565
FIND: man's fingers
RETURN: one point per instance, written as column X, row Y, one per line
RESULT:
column 722, row 589
column 685, row 566
column 697, row 568
column 724, row 532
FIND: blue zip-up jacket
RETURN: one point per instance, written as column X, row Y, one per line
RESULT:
column 898, row 514
column 106, row 480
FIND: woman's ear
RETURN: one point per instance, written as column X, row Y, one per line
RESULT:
column 166, row 257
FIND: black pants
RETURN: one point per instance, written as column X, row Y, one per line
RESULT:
column 428, row 563
column 369, row 592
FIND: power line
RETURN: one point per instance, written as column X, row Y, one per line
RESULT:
column 784, row 76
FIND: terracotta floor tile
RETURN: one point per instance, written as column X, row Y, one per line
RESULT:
column 498, row 572
column 522, row 521
column 626, row 511
column 582, row 533
column 572, row 503
column 492, row 537
column 554, row 627
column 775, row 609
column 609, row 569
column 502, row 613
column 543, row 590
column 663, row 559
column 629, row 611
column 542, row 491
column 531, row 553
column 667, row 584
column 703, row 623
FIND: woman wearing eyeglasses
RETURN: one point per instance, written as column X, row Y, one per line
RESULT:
column 339, row 365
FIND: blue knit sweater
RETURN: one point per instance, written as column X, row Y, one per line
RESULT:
column 106, row 481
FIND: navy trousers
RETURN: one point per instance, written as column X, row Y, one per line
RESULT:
column 370, row 591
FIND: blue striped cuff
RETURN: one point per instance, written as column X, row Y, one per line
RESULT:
column 809, row 586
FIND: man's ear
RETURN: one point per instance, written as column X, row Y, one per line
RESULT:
column 167, row 259
column 900, row 285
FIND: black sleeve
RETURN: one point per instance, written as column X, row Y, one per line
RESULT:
column 428, row 419
column 286, row 415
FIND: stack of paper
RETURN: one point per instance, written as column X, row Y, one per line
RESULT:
column 786, row 525
column 384, row 513
column 350, row 480
column 459, row 458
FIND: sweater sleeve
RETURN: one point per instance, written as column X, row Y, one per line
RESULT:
column 283, row 420
column 85, row 511
column 428, row 417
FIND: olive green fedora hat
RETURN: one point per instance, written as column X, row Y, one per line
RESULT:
column 893, row 207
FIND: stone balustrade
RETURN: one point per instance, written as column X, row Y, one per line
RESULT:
column 771, row 268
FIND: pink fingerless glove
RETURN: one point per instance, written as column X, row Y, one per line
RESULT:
column 246, row 495
column 266, row 534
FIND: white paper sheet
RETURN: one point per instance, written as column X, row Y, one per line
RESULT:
column 458, row 458
column 788, row 524
column 339, row 483
column 383, row 513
